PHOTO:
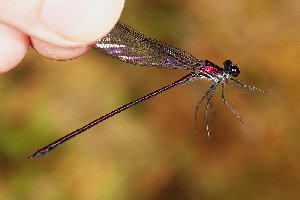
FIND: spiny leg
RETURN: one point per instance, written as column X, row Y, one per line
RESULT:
column 248, row 86
column 211, row 106
column 205, row 95
column 235, row 86
column 223, row 98
column 206, row 114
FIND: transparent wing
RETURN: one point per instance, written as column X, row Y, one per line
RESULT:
column 128, row 45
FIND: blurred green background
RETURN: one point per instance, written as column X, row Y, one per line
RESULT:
column 146, row 152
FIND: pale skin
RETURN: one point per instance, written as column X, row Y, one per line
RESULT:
column 56, row 29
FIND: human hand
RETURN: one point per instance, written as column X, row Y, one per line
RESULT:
column 56, row 29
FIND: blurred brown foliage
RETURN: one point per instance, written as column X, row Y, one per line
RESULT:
column 146, row 152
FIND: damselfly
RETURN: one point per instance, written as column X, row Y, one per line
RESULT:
column 126, row 44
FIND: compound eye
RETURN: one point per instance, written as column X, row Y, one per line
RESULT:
column 234, row 70
column 227, row 64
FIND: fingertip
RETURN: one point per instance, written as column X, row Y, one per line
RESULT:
column 54, row 52
column 13, row 48
column 80, row 20
column 68, row 23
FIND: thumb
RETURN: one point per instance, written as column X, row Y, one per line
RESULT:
column 67, row 23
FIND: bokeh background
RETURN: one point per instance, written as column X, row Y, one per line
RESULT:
column 146, row 152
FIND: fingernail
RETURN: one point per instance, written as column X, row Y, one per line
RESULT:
column 75, row 19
